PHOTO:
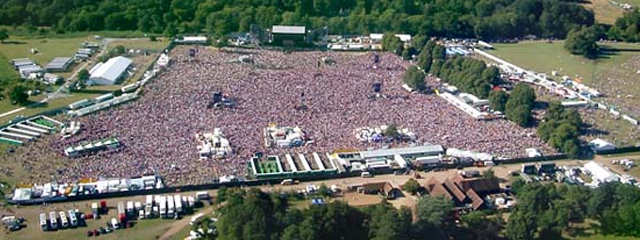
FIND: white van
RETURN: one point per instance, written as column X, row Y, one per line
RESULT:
column 115, row 223
column 202, row 195
column 286, row 182
column 53, row 220
column 196, row 218
column 43, row 222
column 64, row 222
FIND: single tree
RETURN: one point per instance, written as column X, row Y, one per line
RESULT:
column 488, row 173
column 583, row 42
column 411, row 186
column 18, row 94
column 498, row 100
column 414, row 78
column 4, row 34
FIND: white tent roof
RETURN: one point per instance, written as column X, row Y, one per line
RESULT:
column 600, row 145
column 112, row 69
column 600, row 173
column 288, row 29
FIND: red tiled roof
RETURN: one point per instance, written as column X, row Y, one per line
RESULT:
column 455, row 191
column 476, row 201
column 479, row 185
column 439, row 190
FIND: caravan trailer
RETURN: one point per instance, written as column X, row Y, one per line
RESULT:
column 64, row 222
column 73, row 219
column 43, row 222
column 53, row 220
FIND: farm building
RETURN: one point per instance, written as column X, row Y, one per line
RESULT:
column 110, row 72
column 26, row 70
column 21, row 62
column 288, row 35
column 384, row 188
column 59, row 64
column 464, row 192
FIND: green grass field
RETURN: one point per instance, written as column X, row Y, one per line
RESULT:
column 49, row 48
column 547, row 57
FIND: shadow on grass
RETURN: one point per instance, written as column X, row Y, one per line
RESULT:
column 33, row 104
column 92, row 91
column 13, row 42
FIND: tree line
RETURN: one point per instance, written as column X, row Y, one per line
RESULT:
column 545, row 211
column 486, row 19
column 253, row 214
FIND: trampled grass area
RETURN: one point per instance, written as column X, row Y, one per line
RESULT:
column 547, row 57
column 606, row 12
column 615, row 74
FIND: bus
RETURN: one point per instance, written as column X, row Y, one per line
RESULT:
column 73, row 218
column 64, row 222
column 43, row 222
column 53, row 220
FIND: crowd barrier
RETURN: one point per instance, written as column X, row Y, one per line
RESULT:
column 619, row 150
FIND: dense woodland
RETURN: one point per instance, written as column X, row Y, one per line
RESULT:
column 544, row 211
column 487, row 19
column 253, row 214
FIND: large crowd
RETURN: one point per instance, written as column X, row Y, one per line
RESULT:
column 158, row 129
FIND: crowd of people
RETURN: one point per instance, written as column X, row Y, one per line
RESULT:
column 158, row 129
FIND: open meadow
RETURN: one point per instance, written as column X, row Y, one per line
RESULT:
column 616, row 73
column 65, row 46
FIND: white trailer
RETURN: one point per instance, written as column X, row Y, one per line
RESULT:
column 129, row 210
column 137, row 206
column 163, row 206
column 43, row 222
column 94, row 210
column 149, row 202
column 154, row 211
column 191, row 201
column 185, row 202
column 178, row 201
column 121, row 209
column 171, row 208
column 53, row 220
